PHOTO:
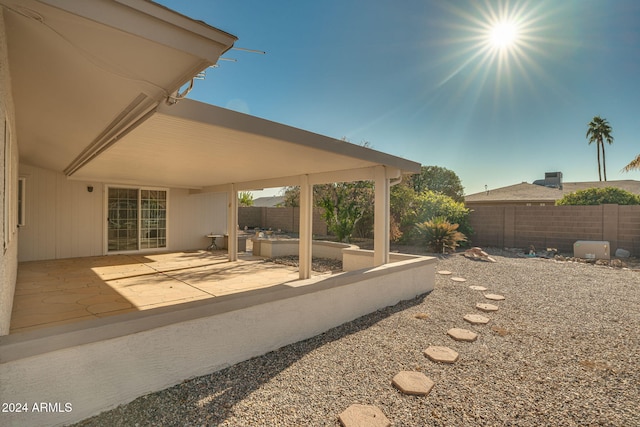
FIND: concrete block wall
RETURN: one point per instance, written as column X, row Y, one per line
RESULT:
column 556, row 226
column 629, row 228
column 488, row 226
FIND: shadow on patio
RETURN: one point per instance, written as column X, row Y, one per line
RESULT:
column 56, row 292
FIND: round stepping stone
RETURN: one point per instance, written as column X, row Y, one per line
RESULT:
column 486, row 307
column 477, row 288
column 459, row 334
column 494, row 297
column 458, row 279
column 363, row 415
column 441, row 354
column 476, row 319
column 410, row 382
column 444, row 272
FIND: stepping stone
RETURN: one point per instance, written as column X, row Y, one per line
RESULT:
column 462, row 334
column 486, row 307
column 444, row 272
column 494, row 297
column 458, row 279
column 363, row 416
column 476, row 319
column 477, row 288
column 441, row 354
column 410, row 382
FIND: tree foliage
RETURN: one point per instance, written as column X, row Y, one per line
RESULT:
column 431, row 205
column 440, row 180
column 599, row 196
column 345, row 205
column 245, row 198
column 349, row 207
column 403, row 209
column 599, row 131
column 633, row 164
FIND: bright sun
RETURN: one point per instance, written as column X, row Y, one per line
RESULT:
column 503, row 35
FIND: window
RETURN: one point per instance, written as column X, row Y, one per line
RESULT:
column 137, row 219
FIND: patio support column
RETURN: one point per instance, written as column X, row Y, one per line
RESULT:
column 232, row 222
column 381, row 217
column 306, row 227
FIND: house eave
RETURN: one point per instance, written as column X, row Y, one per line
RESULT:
column 201, row 146
column 76, row 66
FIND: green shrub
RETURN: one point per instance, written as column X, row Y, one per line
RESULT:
column 439, row 234
column 430, row 205
column 599, row 196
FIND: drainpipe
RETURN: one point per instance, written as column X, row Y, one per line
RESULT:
column 395, row 181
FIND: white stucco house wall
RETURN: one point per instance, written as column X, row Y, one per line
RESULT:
column 102, row 154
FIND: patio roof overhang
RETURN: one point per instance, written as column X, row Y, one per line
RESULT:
column 83, row 71
column 94, row 88
column 90, row 81
column 204, row 147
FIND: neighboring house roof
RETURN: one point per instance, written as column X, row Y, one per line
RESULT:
column 268, row 202
column 526, row 192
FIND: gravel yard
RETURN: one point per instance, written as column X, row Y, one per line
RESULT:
column 563, row 349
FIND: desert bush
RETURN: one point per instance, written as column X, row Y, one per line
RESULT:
column 599, row 196
column 429, row 205
column 440, row 235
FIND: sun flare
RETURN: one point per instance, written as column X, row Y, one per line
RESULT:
column 499, row 44
column 503, row 35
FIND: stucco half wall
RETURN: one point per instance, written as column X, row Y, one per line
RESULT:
column 100, row 364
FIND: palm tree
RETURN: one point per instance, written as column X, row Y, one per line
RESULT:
column 599, row 131
column 634, row 164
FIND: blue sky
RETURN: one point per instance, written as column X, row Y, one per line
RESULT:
column 418, row 79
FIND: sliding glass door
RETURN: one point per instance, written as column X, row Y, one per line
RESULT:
column 136, row 218
column 153, row 219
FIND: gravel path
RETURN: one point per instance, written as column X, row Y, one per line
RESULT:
column 562, row 350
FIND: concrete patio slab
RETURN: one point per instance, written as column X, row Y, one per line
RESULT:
column 56, row 292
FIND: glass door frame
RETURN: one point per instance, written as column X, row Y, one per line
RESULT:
column 139, row 189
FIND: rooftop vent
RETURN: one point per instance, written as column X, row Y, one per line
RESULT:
column 551, row 180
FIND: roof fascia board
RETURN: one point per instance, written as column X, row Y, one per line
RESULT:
column 153, row 22
column 347, row 175
column 217, row 116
